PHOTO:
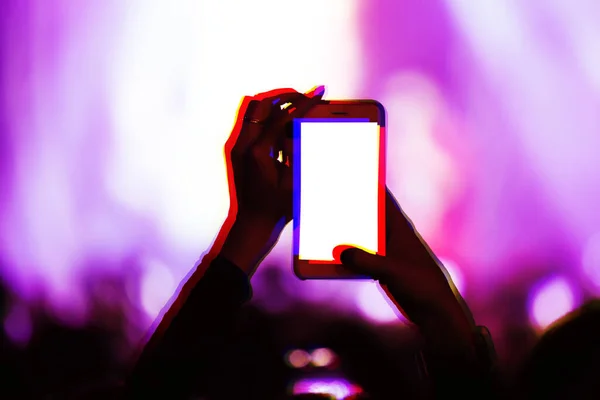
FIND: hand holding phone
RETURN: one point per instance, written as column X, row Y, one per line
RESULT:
column 260, row 184
column 413, row 277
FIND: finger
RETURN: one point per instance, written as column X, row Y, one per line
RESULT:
column 287, row 144
column 259, row 109
column 269, row 107
column 397, row 223
column 287, row 177
column 362, row 262
column 288, row 151
column 275, row 93
column 301, row 104
column 401, row 231
column 300, row 107
column 399, row 227
column 249, row 131
column 298, row 110
column 268, row 104
column 270, row 138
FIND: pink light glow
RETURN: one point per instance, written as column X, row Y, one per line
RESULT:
column 339, row 388
column 374, row 305
column 591, row 261
column 114, row 119
column 551, row 300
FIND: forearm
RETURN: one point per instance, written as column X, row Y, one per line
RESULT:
column 452, row 358
column 194, row 331
column 186, row 344
column 459, row 360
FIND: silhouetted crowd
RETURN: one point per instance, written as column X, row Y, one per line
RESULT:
column 61, row 362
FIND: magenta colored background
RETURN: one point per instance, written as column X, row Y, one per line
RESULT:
column 492, row 148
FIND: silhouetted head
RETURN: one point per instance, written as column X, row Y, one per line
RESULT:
column 565, row 363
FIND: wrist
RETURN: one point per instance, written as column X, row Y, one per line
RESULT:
column 248, row 241
column 448, row 330
column 245, row 220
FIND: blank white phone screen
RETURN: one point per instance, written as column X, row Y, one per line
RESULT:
column 339, row 181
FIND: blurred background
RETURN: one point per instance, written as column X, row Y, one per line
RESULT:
column 113, row 117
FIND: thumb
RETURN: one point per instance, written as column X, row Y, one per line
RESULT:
column 360, row 261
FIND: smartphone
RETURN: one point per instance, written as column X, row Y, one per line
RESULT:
column 339, row 185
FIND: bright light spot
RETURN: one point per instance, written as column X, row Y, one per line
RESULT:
column 455, row 274
column 157, row 287
column 553, row 299
column 591, row 260
column 298, row 358
column 322, row 357
column 176, row 84
column 339, row 388
column 423, row 174
column 374, row 305
column 150, row 91
column 17, row 324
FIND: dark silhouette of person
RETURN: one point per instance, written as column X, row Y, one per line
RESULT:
column 565, row 363
column 183, row 355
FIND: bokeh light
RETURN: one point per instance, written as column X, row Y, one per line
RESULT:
column 550, row 300
column 298, row 358
column 322, row 357
column 338, row 388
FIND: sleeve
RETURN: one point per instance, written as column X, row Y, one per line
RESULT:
column 192, row 336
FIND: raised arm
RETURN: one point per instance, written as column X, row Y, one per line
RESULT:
column 458, row 356
column 194, row 332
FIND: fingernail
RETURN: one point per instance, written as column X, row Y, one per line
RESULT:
column 319, row 91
